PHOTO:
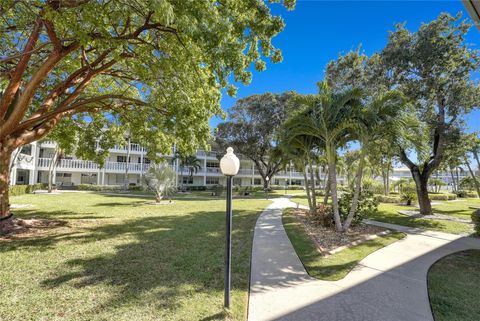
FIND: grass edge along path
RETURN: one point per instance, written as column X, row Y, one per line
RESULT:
column 453, row 287
column 334, row 267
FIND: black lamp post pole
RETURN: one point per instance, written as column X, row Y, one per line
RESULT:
column 228, row 251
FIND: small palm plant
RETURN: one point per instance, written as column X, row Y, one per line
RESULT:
column 160, row 179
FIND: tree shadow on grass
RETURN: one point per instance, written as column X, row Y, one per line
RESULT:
column 168, row 257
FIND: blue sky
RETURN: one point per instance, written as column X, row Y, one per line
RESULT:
column 318, row 31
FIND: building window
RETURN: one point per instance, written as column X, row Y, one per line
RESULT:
column 145, row 160
column 123, row 159
column 257, row 181
column 296, row 182
column 187, row 180
column 237, row 181
column 26, row 150
column 213, row 164
column 213, row 181
column 277, row 182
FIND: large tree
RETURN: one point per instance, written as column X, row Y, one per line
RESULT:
column 252, row 130
column 156, row 65
column 433, row 68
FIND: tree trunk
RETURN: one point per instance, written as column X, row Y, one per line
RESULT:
column 266, row 184
column 475, row 155
column 307, row 189
column 453, row 181
column 6, row 221
column 458, row 178
column 475, row 181
column 312, row 181
column 327, row 188
column 358, row 188
column 421, row 183
column 332, row 175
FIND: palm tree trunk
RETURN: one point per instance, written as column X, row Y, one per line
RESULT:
column 358, row 187
column 312, row 181
column 327, row 187
column 307, row 189
column 477, row 185
column 332, row 173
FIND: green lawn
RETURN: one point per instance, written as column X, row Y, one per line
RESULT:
column 453, row 286
column 336, row 266
column 123, row 258
column 389, row 213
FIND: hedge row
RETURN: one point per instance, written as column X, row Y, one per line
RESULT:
column 16, row 190
column 442, row 197
column 387, row 199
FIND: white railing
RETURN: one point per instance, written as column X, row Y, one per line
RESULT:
column 133, row 148
column 213, row 170
column 77, row 164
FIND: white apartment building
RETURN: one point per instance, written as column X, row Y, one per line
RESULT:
column 33, row 162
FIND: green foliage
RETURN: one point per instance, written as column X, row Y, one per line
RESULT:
column 154, row 67
column 253, row 129
column 442, row 197
column 408, row 196
column 467, row 183
column 107, row 188
column 217, row 190
column 373, row 186
column 367, row 205
column 476, row 221
column 388, row 199
column 160, row 179
column 16, row 190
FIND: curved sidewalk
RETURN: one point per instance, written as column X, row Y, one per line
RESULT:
column 388, row 285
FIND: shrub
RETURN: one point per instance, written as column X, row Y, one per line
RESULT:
column 461, row 194
column 197, row 188
column 408, row 197
column 442, row 197
column 373, row 186
column 323, row 215
column 217, row 190
column 472, row 194
column 367, row 205
column 100, row 188
column 476, row 221
column 16, row 190
column 388, row 199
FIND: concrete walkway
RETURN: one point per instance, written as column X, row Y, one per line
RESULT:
column 388, row 285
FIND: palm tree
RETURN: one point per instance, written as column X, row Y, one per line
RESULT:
column 191, row 163
column 160, row 178
column 328, row 116
column 299, row 150
column 378, row 119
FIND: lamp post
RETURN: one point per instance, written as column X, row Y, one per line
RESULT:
column 229, row 165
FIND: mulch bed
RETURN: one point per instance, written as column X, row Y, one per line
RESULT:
column 27, row 227
column 327, row 239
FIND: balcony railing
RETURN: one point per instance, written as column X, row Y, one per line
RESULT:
column 133, row 148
